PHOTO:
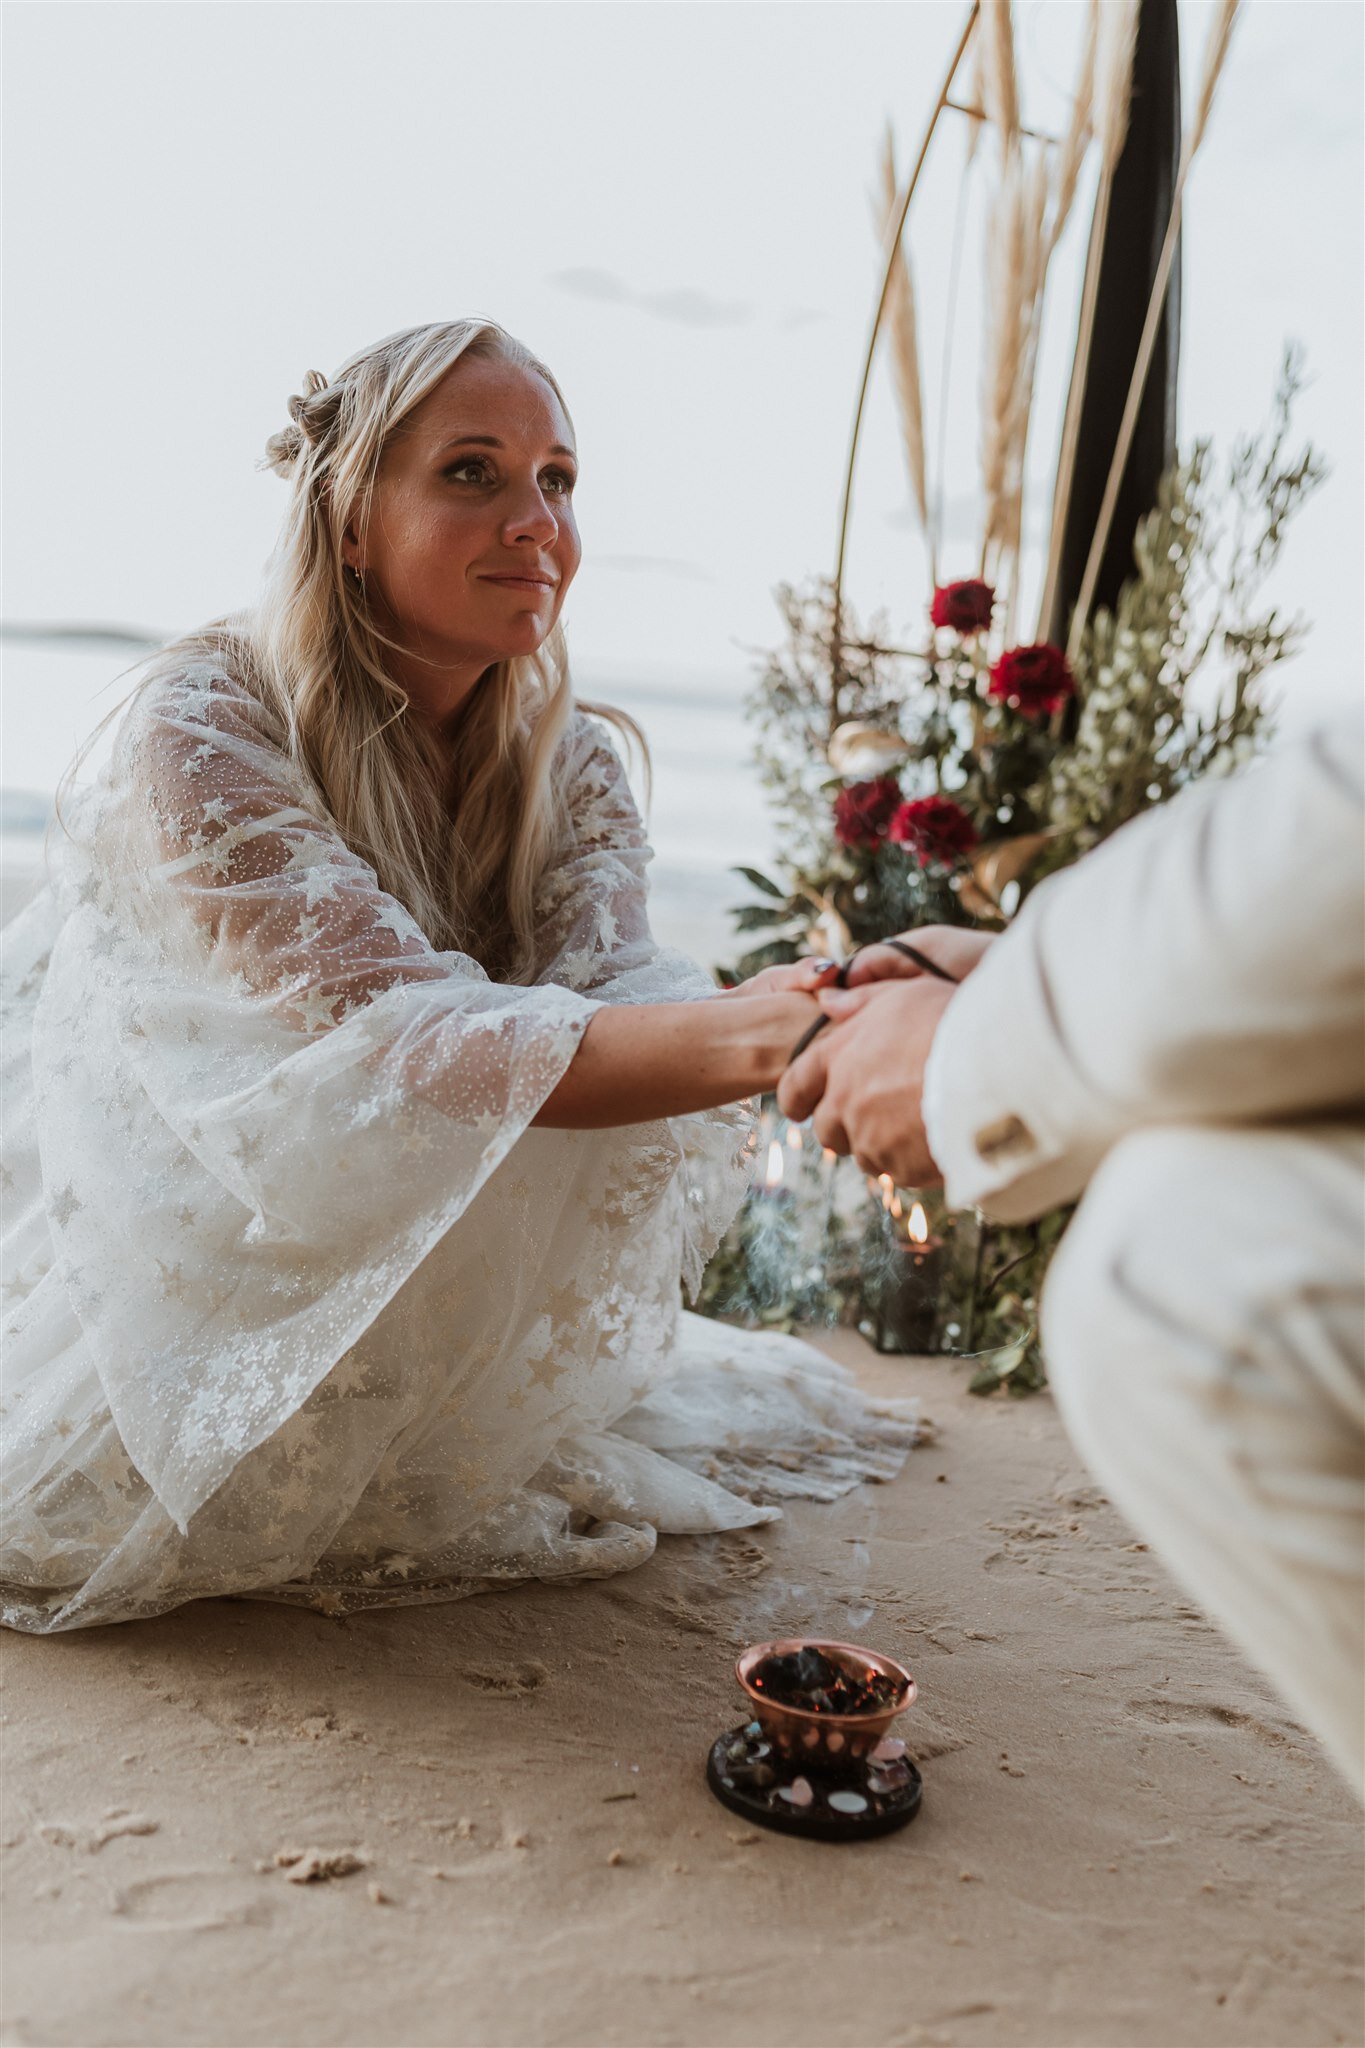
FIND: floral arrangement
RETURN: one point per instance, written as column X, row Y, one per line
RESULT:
column 938, row 777
column 962, row 770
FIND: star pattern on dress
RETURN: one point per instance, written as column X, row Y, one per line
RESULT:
column 320, row 884
column 172, row 1279
column 486, row 1126
column 315, row 1010
column 438, row 1092
column 64, row 1205
column 393, row 918
column 33, row 980
column 566, row 1305
column 547, row 1372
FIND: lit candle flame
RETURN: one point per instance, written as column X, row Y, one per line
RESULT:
column 794, row 1138
column 773, row 1177
column 896, row 1210
column 888, row 1188
column 919, row 1224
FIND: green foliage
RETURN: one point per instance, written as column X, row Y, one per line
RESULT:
column 1169, row 683
column 1169, row 687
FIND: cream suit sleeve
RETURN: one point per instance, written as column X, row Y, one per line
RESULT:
column 1206, row 965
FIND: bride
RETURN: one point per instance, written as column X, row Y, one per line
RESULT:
column 357, row 1132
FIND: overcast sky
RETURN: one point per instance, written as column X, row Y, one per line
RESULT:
column 669, row 202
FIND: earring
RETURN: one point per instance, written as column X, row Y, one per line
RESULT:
column 359, row 579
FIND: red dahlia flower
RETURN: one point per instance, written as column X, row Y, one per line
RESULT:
column 863, row 811
column 963, row 607
column 1034, row 681
column 935, row 829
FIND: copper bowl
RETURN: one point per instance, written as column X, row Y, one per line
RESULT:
column 830, row 1739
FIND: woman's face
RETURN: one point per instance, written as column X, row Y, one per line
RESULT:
column 472, row 543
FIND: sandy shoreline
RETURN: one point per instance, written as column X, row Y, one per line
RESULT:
column 1124, row 1840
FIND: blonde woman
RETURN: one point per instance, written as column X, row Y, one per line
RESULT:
column 358, row 1133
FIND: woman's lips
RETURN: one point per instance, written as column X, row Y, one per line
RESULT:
column 522, row 582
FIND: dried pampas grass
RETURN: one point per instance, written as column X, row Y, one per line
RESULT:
column 902, row 211
column 1036, row 254
column 1079, row 134
column 1115, row 49
column 999, row 74
column 977, row 93
column 1008, row 269
column 903, row 327
column 1215, row 56
column 1028, row 213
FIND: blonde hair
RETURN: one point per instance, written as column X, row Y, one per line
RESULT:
column 461, row 848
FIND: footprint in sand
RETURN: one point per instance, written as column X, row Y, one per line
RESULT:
column 190, row 1901
column 511, row 1681
column 1194, row 1717
column 742, row 1559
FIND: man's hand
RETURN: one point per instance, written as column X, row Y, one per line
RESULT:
column 863, row 1077
column 951, row 947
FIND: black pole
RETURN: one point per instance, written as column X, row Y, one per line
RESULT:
column 1139, row 211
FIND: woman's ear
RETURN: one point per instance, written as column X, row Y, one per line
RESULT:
column 350, row 545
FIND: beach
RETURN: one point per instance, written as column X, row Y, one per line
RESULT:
column 705, row 811
column 1125, row 1839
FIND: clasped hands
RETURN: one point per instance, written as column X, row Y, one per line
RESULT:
column 861, row 1080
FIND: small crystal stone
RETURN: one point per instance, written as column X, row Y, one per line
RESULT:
column 848, row 1802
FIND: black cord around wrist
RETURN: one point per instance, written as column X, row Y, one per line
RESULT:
column 921, row 960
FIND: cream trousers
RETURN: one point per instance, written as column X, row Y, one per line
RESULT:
column 1204, row 1323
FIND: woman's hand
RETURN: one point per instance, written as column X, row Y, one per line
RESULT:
column 800, row 977
column 950, row 947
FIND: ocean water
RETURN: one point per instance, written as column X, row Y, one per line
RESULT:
column 706, row 811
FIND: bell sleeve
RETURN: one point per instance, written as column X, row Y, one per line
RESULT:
column 330, row 1092
column 592, row 919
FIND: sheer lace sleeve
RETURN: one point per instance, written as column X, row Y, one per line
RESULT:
column 593, row 921
column 340, row 1089
column 259, row 877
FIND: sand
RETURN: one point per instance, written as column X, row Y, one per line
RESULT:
column 1124, row 1839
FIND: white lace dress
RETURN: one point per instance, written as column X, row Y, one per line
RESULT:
column 297, row 1302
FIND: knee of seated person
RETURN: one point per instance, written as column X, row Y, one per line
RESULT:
column 1116, row 1288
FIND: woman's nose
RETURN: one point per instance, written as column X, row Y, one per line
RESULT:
column 532, row 518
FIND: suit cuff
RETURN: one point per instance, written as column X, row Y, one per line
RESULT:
column 1009, row 1123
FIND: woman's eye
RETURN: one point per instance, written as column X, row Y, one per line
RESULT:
column 557, row 481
